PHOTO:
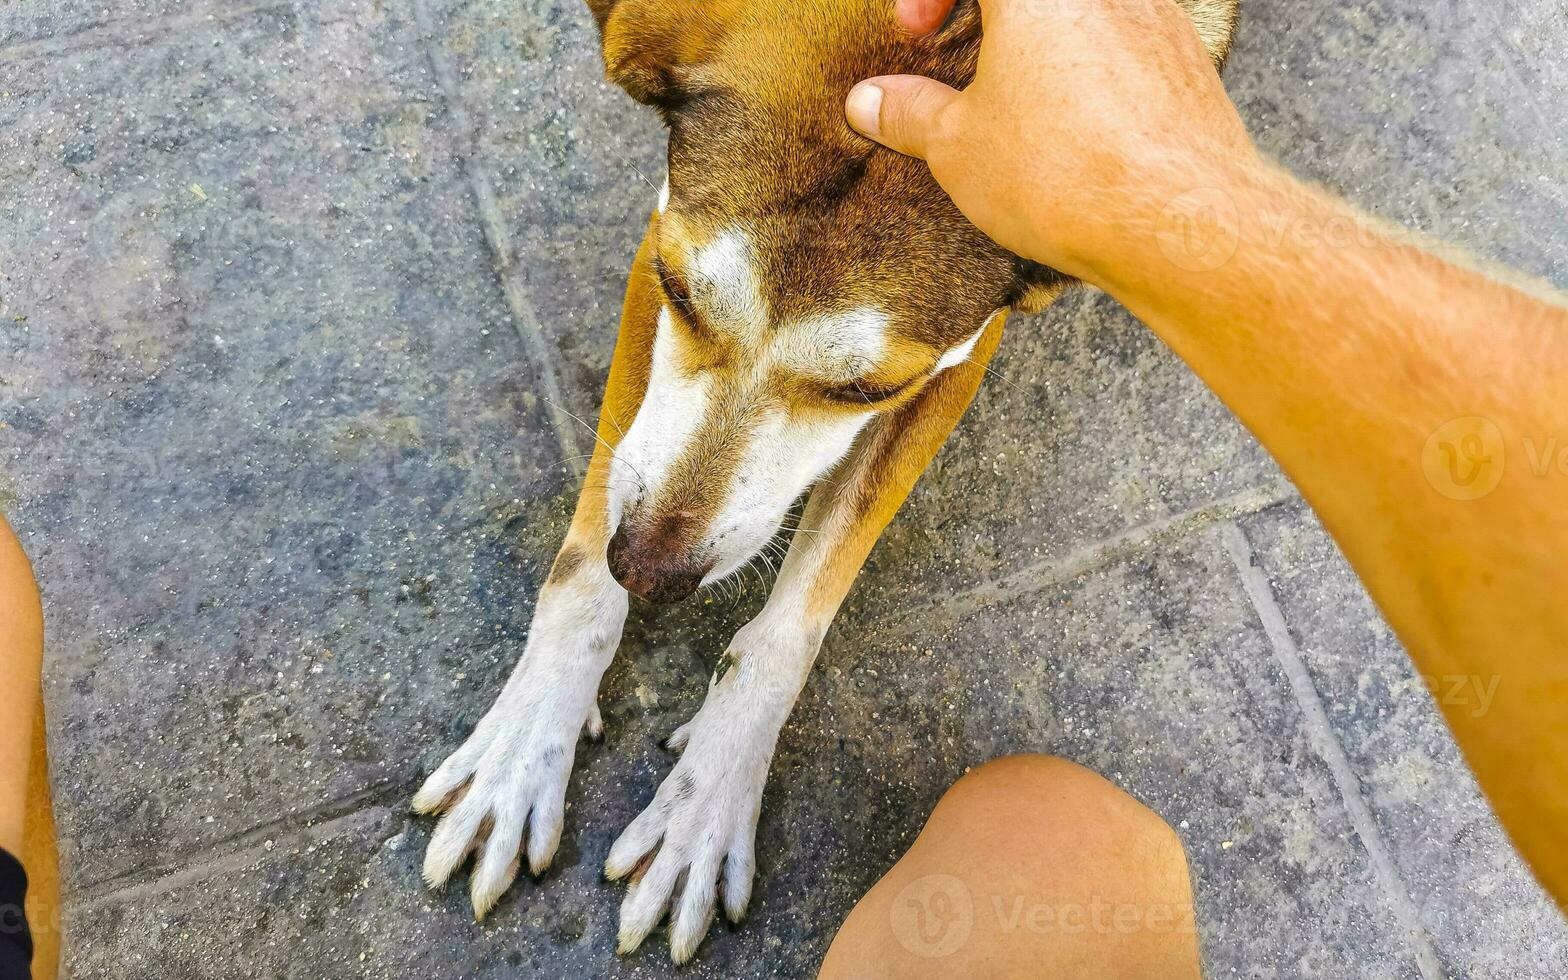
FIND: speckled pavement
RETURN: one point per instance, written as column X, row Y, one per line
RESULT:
column 285, row 289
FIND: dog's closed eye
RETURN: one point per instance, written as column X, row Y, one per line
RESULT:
column 675, row 288
column 862, row 393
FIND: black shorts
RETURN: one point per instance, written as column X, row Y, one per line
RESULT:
column 16, row 943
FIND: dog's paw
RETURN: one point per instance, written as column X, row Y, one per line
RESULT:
column 507, row 781
column 695, row 843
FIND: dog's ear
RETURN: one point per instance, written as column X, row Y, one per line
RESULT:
column 651, row 45
column 1035, row 286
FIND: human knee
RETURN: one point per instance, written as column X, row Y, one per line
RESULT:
column 21, row 609
column 1019, row 799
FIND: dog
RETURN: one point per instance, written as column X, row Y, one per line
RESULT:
column 807, row 311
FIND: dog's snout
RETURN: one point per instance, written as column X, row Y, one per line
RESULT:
column 654, row 562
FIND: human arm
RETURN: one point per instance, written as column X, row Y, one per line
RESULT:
column 1420, row 406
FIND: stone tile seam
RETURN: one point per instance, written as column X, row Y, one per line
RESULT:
column 148, row 30
column 1056, row 571
column 1320, row 733
column 525, row 319
column 247, row 847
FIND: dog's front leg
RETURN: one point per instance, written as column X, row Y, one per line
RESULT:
column 700, row 828
column 509, row 779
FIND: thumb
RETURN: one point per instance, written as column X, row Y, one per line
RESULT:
column 899, row 111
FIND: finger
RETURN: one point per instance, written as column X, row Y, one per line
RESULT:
column 740, row 865
column 497, row 866
column 921, row 17
column 430, row 803
column 902, row 112
column 639, row 837
column 453, row 839
column 694, row 910
column 646, row 901
column 544, row 832
column 434, row 795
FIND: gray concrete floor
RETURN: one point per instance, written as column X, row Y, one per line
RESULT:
column 281, row 283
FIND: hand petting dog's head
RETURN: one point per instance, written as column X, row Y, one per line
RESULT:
column 809, row 278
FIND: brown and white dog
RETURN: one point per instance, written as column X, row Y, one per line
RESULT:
column 807, row 311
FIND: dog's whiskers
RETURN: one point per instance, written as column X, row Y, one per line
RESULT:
column 1000, row 377
column 566, row 459
column 613, row 421
column 642, row 482
column 638, row 171
column 798, row 529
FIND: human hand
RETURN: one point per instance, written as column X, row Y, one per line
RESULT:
column 1083, row 119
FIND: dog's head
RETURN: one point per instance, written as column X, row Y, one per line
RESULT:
column 808, row 280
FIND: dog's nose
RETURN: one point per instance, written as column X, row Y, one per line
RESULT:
column 652, row 566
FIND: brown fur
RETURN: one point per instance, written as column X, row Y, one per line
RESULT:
column 628, row 381
column 753, row 95
column 567, row 562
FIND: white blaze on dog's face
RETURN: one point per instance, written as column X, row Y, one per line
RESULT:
column 748, row 402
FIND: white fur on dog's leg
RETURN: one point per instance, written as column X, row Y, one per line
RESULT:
column 453, row 839
column 693, row 911
column 497, row 866
column 740, row 868
column 594, row 730
column 433, row 793
column 646, row 901
column 453, row 773
column 676, row 742
column 544, row 833
column 640, row 836
column 701, row 824
column 509, row 779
